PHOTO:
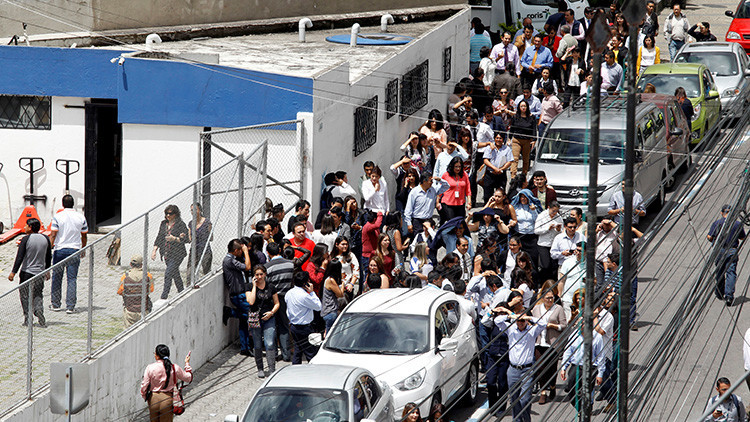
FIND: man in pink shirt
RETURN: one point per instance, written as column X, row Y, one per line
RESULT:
column 551, row 107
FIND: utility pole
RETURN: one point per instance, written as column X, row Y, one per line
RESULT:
column 633, row 11
column 598, row 35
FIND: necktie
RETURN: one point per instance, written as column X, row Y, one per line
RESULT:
column 533, row 61
column 474, row 133
column 506, row 57
column 466, row 266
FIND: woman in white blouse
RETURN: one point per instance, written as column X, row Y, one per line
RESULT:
column 648, row 54
column 349, row 263
column 375, row 192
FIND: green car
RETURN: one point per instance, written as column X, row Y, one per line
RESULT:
column 699, row 86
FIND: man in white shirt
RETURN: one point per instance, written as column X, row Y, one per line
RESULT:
column 730, row 410
column 504, row 53
column 464, row 258
column 445, row 157
column 481, row 138
column 612, row 73
column 606, row 243
column 342, row 188
column 547, row 226
column 301, row 301
column 69, row 234
column 564, row 244
column 604, row 324
column 572, row 274
column 676, row 30
column 522, row 340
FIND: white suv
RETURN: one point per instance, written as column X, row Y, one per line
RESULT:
column 419, row 341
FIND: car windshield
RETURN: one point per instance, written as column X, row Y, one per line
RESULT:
column 570, row 146
column 722, row 64
column 298, row 405
column 743, row 12
column 668, row 83
column 379, row 333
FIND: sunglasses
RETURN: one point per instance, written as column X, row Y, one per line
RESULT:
column 169, row 213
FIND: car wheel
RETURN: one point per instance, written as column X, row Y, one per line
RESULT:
column 471, row 387
column 436, row 399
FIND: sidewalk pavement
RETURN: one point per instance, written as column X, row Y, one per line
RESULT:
column 222, row 386
column 711, row 11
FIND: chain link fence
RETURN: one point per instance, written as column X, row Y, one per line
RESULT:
column 286, row 155
column 143, row 265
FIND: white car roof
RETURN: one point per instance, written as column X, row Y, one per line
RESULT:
column 398, row 301
column 711, row 46
column 332, row 377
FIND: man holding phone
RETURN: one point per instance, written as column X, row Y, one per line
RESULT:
column 301, row 301
column 548, row 225
column 564, row 244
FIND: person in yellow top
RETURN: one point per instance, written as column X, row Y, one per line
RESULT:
column 648, row 54
column 131, row 286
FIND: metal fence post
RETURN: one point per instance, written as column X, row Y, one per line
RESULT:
column 193, row 265
column 302, row 159
column 30, row 336
column 240, row 194
column 91, row 303
column 264, row 178
column 144, row 277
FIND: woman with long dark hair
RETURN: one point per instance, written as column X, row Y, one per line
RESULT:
column 434, row 129
column 264, row 300
column 159, row 380
column 332, row 290
column 349, row 264
column 409, row 179
column 523, row 128
column 411, row 413
column 386, row 254
column 256, row 249
column 520, row 282
column 317, row 268
column 399, row 244
column 170, row 243
column 202, row 240
column 326, row 234
column 376, row 279
column 464, row 139
column 457, row 199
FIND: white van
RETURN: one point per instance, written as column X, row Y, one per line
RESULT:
column 510, row 12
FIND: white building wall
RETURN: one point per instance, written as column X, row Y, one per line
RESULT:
column 333, row 126
column 65, row 140
column 157, row 162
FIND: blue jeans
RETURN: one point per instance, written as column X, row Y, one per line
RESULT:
column 726, row 272
column 483, row 337
column 674, row 45
column 72, row 269
column 240, row 311
column 330, row 319
column 265, row 335
column 520, row 381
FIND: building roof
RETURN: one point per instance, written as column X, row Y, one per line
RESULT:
column 282, row 53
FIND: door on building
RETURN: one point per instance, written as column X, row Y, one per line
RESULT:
column 103, row 191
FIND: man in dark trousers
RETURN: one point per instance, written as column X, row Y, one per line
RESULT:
column 726, row 259
column 34, row 256
column 280, row 271
column 301, row 301
column 234, row 280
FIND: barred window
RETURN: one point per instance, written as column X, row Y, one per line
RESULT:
column 391, row 99
column 365, row 125
column 25, row 112
column 447, row 64
column 414, row 90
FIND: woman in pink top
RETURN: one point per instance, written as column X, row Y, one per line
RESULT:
column 457, row 198
column 159, row 381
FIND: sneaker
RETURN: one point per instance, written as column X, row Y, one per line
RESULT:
column 246, row 353
column 42, row 321
column 25, row 323
column 71, row 311
column 261, row 374
column 54, row 308
column 729, row 300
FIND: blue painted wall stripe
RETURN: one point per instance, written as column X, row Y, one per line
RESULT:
column 162, row 92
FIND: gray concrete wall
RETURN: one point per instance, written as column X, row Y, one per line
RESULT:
column 99, row 15
column 192, row 323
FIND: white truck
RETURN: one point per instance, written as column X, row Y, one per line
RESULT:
column 511, row 11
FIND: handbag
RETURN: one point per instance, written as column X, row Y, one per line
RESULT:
column 178, row 403
column 253, row 319
column 149, row 393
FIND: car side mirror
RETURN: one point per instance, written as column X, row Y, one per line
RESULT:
column 231, row 418
column 447, row 345
column 746, row 72
column 729, row 13
column 712, row 94
column 676, row 132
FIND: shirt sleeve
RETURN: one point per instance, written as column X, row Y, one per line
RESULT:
column 555, row 252
column 20, row 254
column 185, row 375
column 409, row 208
column 312, row 302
